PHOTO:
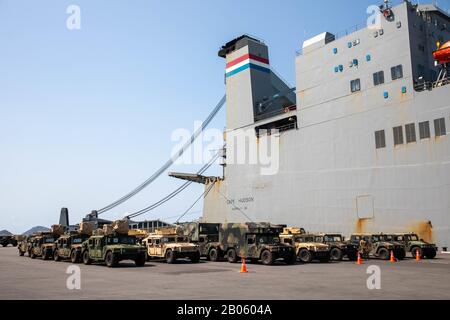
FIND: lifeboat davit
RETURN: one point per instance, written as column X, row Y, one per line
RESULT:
column 442, row 55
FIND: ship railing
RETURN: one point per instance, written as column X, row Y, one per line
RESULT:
column 275, row 113
column 268, row 132
column 430, row 85
column 341, row 34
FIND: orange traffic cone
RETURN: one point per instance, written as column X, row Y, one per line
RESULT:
column 243, row 266
column 392, row 257
column 417, row 255
column 359, row 260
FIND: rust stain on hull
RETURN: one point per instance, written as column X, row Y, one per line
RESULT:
column 424, row 230
column 361, row 225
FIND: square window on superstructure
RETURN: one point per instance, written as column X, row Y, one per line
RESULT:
column 398, row 135
column 397, row 72
column 355, row 85
column 410, row 130
column 439, row 127
column 380, row 140
column 424, row 129
column 378, row 78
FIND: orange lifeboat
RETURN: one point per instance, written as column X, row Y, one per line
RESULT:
column 442, row 55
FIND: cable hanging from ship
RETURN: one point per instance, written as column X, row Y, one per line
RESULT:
column 175, row 192
column 169, row 163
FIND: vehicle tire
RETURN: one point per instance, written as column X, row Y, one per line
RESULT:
column 21, row 253
column 336, row 254
column 140, row 260
column 232, row 256
column 400, row 255
column 14, row 244
column 383, row 254
column 291, row 260
column 267, row 258
column 195, row 258
column 414, row 252
column 56, row 256
column 32, row 255
column 213, row 255
column 352, row 256
column 86, row 259
column 170, row 256
column 110, row 259
column 305, row 256
column 74, row 256
column 4, row 245
column 431, row 254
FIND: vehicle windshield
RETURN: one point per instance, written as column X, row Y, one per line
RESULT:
column 77, row 240
column 209, row 228
column 413, row 237
column 333, row 238
column 269, row 238
column 182, row 239
column 121, row 240
column 319, row 239
column 49, row 240
column 304, row 239
column 376, row 238
column 168, row 239
column 387, row 237
column 399, row 238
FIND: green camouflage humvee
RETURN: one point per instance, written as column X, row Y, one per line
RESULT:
column 112, row 249
column 255, row 241
column 416, row 245
column 206, row 236
column 42, row 245
column 69, row 246
column 376, row 246
column 5, row 240
column 338, row 247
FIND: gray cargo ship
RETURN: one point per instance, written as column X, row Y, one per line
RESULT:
column 362, row 140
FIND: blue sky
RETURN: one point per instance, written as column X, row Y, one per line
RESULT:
column 86, row 115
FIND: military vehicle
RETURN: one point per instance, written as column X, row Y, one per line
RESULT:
column 69, row 246
column 112, row 248
column 166, row 243
column 338, row 247
column 6, row 240
column 307, row 248
column 254, row 241
column 377, row 246
column 206, row 236
column 42, row 245
column 414, row 245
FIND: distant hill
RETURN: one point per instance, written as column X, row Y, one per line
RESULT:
column 36, row 229
column 5, row 233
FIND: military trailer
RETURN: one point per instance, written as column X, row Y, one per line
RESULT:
column 255, row 241
column 206, row 236
column 376, row 246
column 42, row 245
column 167, row 244
column 112, row 248
column 414, row 245
column 307, row 248
column 69, row 246
column 338, row 247
column 8, row 240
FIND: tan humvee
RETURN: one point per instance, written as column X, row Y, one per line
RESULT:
column 307, row 249
column 166, row 243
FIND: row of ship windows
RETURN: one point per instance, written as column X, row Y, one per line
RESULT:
column 410, row 133
column 378, row 78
